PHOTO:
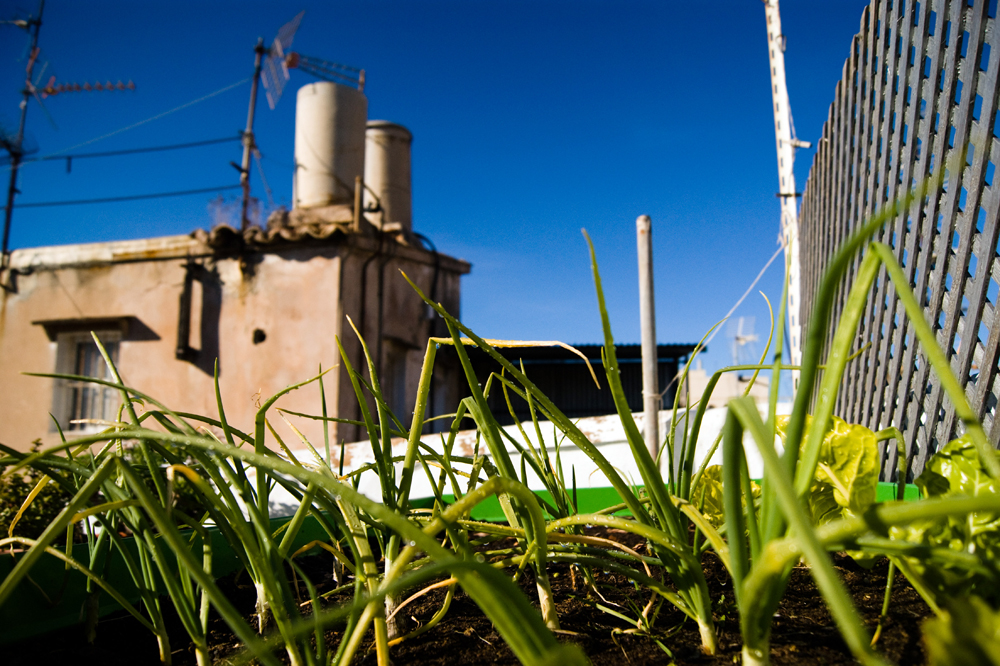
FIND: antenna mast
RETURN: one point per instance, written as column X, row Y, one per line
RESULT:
column 33, row 25
column 786, row 144
column 274, row 76
column 248, row 142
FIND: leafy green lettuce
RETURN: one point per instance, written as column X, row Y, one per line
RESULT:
column 846, row 480
column 956, row 470
column 707, row 496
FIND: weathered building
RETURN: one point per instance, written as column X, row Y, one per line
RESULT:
column 267, row 305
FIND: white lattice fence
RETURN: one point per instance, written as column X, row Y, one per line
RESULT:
column 919, row 87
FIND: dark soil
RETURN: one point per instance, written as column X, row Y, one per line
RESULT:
column 803, row 632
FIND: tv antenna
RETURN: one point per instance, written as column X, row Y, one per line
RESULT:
column 52, row 88
column 15, row 143
column 743, row 340
column 32, row 25
column 273, row 72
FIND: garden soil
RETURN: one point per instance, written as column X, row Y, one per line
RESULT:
column 803, row 631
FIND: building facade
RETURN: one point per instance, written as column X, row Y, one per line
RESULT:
column 266, row 306
column 167, row 309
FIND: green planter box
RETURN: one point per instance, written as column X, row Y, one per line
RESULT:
column 592, row 500
column 55, row 595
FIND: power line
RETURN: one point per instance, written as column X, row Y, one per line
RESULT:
column 747, row 292
column 143, row 122
column 133, row 197
column 130, row 151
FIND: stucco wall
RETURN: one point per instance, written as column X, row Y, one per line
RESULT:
column 297, row 296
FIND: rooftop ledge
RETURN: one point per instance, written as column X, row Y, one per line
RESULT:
column 202, row 244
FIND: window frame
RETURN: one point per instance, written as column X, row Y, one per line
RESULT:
column 64, row 404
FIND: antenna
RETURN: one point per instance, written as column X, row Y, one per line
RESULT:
column 272, row 78
column 32, row 86
column 743, row 339
column 15, row 144
column 32, row 25
column 272, row 71
column 9, row 142
column 52, row 89
column 275, row 72
column 328, row 71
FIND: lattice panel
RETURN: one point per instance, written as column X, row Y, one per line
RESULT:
column 919, row 88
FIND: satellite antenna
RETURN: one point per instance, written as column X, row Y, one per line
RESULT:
column 743, row 339
column 274, row 75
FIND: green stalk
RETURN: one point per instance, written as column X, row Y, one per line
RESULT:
column 416, row 426
column 836, row 362
column 91, row 576
column 837, row 599
column 732, row 496
column 326, row 422
column 690, row 580
column 260, row 446
column 502, row 602
column 564, row 424
column 170, row 535
column 55, row 529
column 818, row 324
column 127, row 402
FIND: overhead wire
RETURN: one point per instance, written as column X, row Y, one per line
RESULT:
column 61, row 153
column 263, row 179
column 747, row 292
column 130, row 151
column 134, row 197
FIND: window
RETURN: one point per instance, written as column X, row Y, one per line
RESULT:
column 393, row 378
column 81, row 406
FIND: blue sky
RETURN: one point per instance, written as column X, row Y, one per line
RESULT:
column 531, row 120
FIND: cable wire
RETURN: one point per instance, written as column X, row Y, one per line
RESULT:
column 129, row 151
column 747, row 292
column 61, row 153
column 133, row 197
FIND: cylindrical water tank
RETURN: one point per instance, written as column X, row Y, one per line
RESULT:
column 329, row 144
column 387, row 171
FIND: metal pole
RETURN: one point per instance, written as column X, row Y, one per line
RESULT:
column 248, row 142
column 786, row 145
column 15, row 155
column 647, row 322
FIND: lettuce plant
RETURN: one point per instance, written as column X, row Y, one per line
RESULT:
column 761, row 563
column 955, row 471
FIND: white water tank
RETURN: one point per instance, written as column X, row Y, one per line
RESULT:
column 387, row 172
column 329, row 144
